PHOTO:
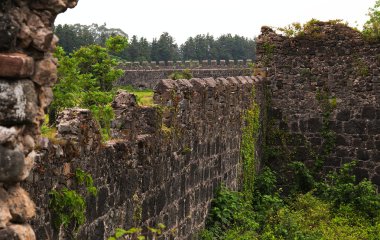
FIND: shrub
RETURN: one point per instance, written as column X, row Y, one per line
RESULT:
column 341, row 189
column 230, row 213
column 185, row 74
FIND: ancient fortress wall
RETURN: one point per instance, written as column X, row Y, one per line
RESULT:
column 163, row 165
column 323, row 98
column 145, row 75
column 320, row 101
column 27, row 72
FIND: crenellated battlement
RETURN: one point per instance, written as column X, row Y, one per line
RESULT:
column 191, row 64
column 147, row 75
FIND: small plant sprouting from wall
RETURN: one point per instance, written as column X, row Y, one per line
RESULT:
column 248, row 144
column 68, row 206
column 85, row 179
column 361, row 67
column 327, row 104
column 185, row 74
column 137, row 233
column 137, row 211
column 268, row 53
column 312, row 28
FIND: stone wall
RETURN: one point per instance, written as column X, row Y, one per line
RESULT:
column 331, row 66
column 163, row 165
column 27, row 72
column 145, row 75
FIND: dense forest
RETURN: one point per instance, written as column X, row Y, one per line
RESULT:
column 164, row 48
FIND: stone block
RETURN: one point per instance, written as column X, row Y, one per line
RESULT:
column 21, row 207
column 18, row 102
column 42, row 39
column 362, row 154
column 7, row 134
column 374, row 127
column 5, row 215
column 22, row 232
column 8, row 234
column 8, row 32
column 314, row 125
column 11, row 165
column 16, row 65
column 369, row 112
column 355, row 127
column 376, row 180
column 46, row 73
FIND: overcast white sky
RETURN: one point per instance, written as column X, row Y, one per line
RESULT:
column 149, row 18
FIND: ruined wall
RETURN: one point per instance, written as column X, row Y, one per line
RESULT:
column 163, row 165
column 27, row 71
column 147, row 75
column 323, row 89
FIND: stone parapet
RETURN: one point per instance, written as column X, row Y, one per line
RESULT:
column 163, row 164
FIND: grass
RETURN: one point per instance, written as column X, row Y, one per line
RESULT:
column 48, row 131
column 144, row 96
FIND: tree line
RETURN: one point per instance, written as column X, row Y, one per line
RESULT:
column 164, row 48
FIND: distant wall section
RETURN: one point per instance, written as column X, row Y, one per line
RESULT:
column 147, row 75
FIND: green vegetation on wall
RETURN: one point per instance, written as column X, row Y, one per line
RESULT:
column 327, row 105
column 68, row 206
column 185, row 74
column 248, row 144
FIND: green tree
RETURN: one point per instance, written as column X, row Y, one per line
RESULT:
column 72, row 37
column 167, row 49
column 154, row 51
column 188, row 49
column 86, row 79
column 144, row 50
column 116, row 44
column 371, row 28
column 133, row 49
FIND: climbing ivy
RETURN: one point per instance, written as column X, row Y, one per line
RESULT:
column 327, row 104
column 248, row 144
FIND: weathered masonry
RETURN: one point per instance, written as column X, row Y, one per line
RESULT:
column 323, row 99
column 27, row 72
column 320, row 101
column 145, row 75
column 163, row 166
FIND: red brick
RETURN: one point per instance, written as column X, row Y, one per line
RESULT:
column 16, row 65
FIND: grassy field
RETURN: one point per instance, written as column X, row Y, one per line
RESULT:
column 144, row 96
